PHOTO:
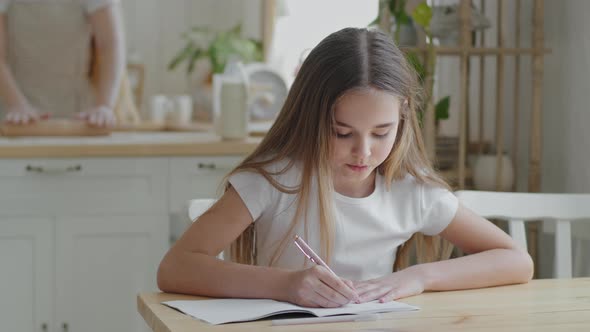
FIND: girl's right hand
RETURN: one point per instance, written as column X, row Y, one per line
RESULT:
column 23, row 115
column 317, row 287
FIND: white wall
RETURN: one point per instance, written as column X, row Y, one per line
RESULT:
column 153, row 30
column 566, row 107
column 566, row 158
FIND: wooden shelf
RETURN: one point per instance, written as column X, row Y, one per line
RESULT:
column 479, row 50
column 472, row 46
column 452, row 176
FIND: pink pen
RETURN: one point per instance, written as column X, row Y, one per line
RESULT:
column 309, row 253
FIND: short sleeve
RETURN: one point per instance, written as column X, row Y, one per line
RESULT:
column 438, row 208
column 93, row 5
column 4, row 4
column 254, row 190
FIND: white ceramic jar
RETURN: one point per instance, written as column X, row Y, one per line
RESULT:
column 233, row 102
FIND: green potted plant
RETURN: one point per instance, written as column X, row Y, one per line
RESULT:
column 422, row 16
column 441, row 108
column 402, row 25
column 218, row 47
column 446, row 147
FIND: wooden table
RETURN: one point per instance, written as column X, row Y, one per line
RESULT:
column 541, row 305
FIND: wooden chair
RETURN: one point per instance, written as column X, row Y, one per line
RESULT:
column 196, row 207
column 518, row 208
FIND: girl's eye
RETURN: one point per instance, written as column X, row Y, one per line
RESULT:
column 339, row 135
column 381, row 135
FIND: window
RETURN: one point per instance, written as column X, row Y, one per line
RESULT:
column 302, row 24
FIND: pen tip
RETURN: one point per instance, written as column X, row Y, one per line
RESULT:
column 296, row 237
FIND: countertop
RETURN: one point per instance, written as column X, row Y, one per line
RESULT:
column 126, row 144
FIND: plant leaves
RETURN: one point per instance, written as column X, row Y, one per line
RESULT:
column 374, row 22
column 237, row 30
column 196, row 55
column 422, row 15
column 397, row 8
column 181, row 55
column 442, row 108
column 415, row 62
column 403, row 18
column 219, row 47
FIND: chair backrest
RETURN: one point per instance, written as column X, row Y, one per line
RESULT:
column 518, row 208
column 196, row 207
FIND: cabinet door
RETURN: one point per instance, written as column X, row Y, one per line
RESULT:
column 26, row 277
column 117, row 186
column 197, row 178
column 102, row 263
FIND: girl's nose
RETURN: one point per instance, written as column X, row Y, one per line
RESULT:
column 362, row 148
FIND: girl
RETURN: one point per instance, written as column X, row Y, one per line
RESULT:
column 344, row 168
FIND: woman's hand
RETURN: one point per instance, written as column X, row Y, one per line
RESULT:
column 24, row 115
column 98, row 116
column 317, row 287
column 391, row 287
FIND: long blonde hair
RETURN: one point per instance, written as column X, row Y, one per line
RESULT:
column 345, row 60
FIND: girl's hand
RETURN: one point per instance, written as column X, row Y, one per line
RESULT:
column 98, row 116
column 391, row 287
column 317, row 287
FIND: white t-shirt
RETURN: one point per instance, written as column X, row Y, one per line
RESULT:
column 368, row 230
column 88, row 6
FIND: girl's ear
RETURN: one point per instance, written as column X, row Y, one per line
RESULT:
column 404, row 108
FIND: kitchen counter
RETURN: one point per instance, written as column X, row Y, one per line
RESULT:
column 125, row 144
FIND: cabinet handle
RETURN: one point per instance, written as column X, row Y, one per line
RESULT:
column 44, row 327
column 65, row 327
column 56, row 170
column 207, row 166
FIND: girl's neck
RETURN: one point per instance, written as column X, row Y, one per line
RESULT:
column 356, row 189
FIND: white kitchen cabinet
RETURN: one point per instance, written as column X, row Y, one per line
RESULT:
column 27, row 284
column 101, row 266
column 197, row 177
column 194, row 177
column 80, row 238
column 92, row 186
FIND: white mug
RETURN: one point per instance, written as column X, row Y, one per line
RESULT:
column 182, row 111
column 160, row 107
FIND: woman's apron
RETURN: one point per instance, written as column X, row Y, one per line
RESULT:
column 49, row 55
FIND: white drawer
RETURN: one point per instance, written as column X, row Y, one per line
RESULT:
column 83, row 186
column 197, row 177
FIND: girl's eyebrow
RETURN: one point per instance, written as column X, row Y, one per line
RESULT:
column 383, row 125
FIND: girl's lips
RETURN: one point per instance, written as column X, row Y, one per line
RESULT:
column 357, row 168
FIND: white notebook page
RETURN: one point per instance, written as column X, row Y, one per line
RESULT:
column 220, row 311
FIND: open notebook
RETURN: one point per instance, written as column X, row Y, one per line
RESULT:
column 222, row 311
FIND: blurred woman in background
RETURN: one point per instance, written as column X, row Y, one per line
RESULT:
column 63, row 58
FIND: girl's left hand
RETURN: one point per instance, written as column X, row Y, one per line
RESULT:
column 391, row 287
